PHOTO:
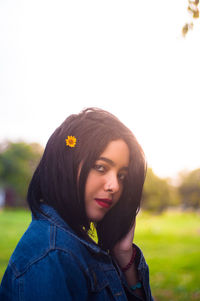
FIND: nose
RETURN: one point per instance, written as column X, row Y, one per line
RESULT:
column 112, row 183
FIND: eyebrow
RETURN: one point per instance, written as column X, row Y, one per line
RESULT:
column 111, row 162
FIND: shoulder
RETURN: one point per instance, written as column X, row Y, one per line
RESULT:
column 43, row 241
column 56, row 276
column 45, row 262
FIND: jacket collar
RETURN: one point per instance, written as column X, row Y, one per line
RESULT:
column 50, row 214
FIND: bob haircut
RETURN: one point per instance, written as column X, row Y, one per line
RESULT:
column 59, row 181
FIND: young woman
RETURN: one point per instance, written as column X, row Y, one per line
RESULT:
column 92, row 172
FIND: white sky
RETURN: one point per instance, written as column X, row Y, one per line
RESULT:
column 128, row 57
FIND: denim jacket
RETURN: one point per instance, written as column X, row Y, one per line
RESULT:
column 51, row 262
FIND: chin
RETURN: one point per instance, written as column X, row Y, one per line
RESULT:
column 96, row 218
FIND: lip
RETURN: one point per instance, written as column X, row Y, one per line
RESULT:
column 105, row 203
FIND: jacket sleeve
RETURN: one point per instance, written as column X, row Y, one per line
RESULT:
column 143, row 273
column 56, row 276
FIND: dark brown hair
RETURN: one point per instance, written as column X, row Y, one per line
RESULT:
column 55, row 179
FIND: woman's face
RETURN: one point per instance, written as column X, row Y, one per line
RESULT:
column 105, row 181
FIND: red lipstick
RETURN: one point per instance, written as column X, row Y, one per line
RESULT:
column 105, row 203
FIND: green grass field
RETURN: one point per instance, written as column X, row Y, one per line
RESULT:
column 170, row 243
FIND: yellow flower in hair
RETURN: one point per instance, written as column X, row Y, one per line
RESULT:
column 70, row 141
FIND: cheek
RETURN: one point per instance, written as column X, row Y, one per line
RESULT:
column 91, row 184
column 119, row 193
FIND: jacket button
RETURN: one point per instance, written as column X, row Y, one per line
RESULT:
column 118, row 294
column 95, row 278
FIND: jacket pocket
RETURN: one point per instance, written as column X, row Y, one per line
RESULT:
column 105, row 283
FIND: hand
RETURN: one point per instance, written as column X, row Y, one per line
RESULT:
column 122, row 251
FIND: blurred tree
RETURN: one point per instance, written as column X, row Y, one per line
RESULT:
column 17, row 164
column 158, row 194
column 193, row 9
column 190, row 189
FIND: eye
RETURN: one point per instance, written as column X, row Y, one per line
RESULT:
column 99, row 167
column 122, row 177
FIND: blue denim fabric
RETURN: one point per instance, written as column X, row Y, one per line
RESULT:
column 51, row 262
